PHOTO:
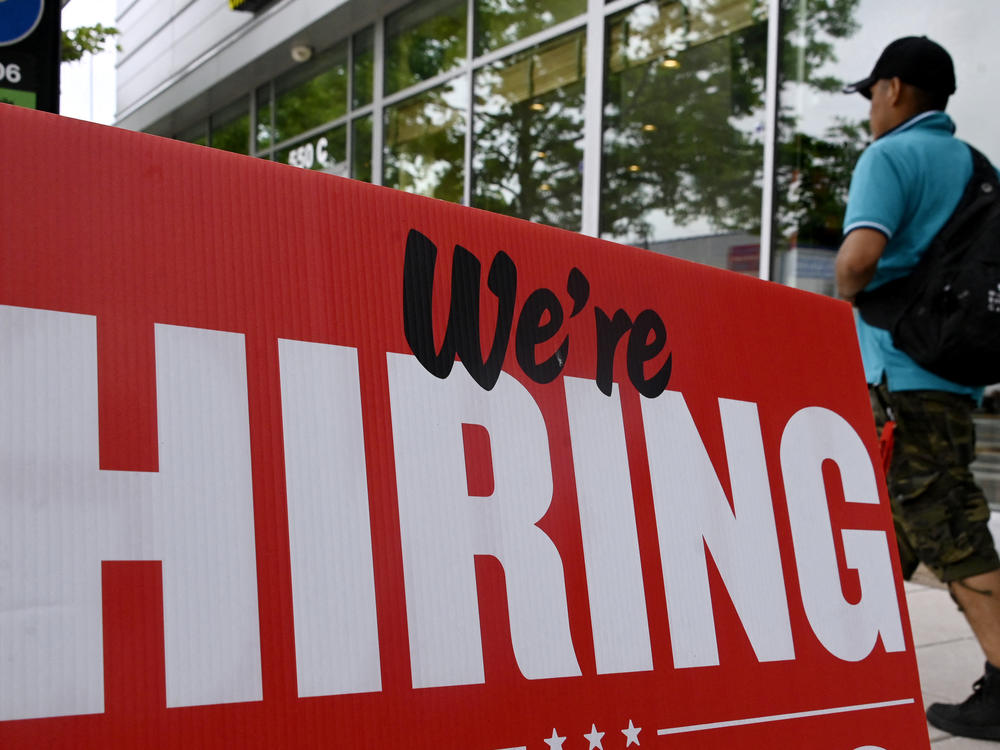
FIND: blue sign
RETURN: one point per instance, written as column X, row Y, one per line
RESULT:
column 18, row 18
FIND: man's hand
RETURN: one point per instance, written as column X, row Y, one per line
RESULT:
column 856, row 260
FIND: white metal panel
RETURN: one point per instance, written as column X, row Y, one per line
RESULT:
column 210, row 43
column 142, row 21
column 189, row 34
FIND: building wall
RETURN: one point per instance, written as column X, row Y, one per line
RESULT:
column 663, row 124
column 164, row 39
column 181, row 59
column 641, row 122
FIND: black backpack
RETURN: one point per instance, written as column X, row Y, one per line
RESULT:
column 946, row 313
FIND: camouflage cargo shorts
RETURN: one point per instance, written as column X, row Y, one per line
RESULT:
column 939, row 512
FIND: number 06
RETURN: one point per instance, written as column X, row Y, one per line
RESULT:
column 10, row 72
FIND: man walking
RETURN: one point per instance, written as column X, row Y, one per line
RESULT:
column 904, row 188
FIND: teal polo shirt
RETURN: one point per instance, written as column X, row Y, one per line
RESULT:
column 906, row 185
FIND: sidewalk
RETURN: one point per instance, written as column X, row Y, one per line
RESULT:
column 948, row 656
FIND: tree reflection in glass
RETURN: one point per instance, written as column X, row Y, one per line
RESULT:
column 425, row 142
column 230, row 128
column 684, row 120
column 361, row 148
column 528, row 134
column 197, row 134
column 423, row 40
column 816, row 156
column 264, row 128
column 364, row 67
column 501, row 22
column 311, row 94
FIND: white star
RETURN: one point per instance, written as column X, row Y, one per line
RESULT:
column 594, row 738
column 631, row 734
column 555, row 741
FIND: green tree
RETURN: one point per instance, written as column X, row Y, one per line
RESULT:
column 813, row 178
column 814, row 171
column 86, row 40
column 501, row 22
column 528, row 131
column 684, row 119
column 682, row 135
column 425, row 145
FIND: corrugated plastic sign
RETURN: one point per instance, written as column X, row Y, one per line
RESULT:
column 292, row 461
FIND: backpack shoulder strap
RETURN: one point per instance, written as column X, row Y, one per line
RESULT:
column 982, row 189
column 981, row 166
column 881, row 307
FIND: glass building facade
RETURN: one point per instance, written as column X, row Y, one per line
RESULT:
column 712, row 130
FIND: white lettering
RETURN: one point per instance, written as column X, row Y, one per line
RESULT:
column 848, row 631
column 322, row 155
column 333, row 582
column 63, row 516
column 607, row 518
column 11, row 71
column 443, row 528
column 303, row 156
column 692, row 512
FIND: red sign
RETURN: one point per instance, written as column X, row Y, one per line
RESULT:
column 329, row 465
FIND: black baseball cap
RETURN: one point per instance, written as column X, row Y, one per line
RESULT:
column 915, row 60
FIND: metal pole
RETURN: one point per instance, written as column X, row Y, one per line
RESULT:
column 593, row 108
column 770, row 137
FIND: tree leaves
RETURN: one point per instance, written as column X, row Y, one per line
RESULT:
column 85, row 40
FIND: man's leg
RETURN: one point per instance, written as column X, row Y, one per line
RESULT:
column 979, row 598
column 978, row 715
column 944, row 516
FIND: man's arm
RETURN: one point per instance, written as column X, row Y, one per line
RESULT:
column 856, row 260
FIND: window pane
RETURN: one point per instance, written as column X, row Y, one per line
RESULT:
column 197, row 134
column 425, row 142
column 364, row 62
column 265, row 128
column 361, row 149
column 528, row 147
column 815, row 160
column 231, row 128
column 325, row 153
column 822, row 131
column 311, row 94
column 500, row 22
column 423, row 40
column 684, row 125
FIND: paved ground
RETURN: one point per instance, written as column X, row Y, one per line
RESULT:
column 948, row 656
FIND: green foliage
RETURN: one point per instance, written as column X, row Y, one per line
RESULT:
column 813, row 172
column 684, row 131
column 684, row 113
column 232, row 136
column 812, row 181
column 85, row 40
column 810, row 28
column 528, row 135
column 501, row 22
column 420, row 48
column 313, row 102
column 682, row 137
column 425, row 139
